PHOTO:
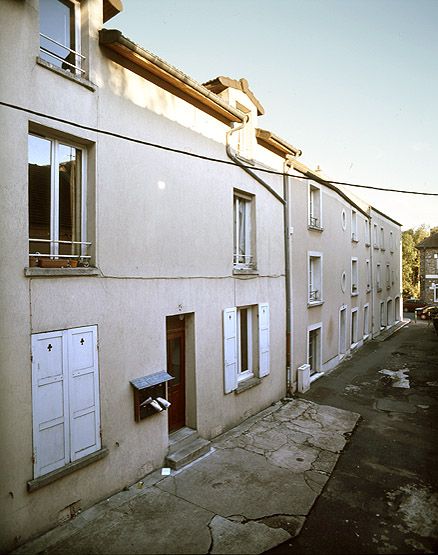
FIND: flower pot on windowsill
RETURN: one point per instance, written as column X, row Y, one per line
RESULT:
column 57, row 263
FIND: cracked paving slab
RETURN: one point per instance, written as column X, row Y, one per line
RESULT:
column 251, row 493
column 249, row 537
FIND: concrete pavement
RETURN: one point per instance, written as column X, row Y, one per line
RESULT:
column 383, row 495
column 252, row 492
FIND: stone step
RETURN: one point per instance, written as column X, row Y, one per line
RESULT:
column 188, row 453
column 181, row 438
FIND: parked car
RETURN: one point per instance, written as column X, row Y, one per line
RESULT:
column 409, row 305
column 427, row 312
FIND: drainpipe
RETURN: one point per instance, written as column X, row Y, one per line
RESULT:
column 237, row 161
column 284, row 202
column 288, row 273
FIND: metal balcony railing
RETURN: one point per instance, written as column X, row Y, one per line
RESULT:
column 77, row 56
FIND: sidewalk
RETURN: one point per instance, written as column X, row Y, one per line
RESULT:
column 253, row 491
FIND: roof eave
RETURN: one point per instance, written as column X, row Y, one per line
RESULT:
column 128, row 50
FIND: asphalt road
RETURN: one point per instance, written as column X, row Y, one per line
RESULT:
column 382, row 496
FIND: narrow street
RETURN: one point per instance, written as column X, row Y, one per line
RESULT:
column 382, row 496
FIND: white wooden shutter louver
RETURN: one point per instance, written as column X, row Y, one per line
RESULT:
column 264, row 357
column 230, row 349
column 65, row 397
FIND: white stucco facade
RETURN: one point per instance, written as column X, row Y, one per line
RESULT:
column 162, row 232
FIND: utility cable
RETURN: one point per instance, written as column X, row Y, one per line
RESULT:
column 207, row 158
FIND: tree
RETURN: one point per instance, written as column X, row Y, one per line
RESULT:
column 411, row 258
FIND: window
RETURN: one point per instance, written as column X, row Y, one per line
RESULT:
column 354, row 277
column 314, row 348
column 354, row 339
column 382, row 315
column 65, row 397
column 246, row 344
column 60, row 39
column 391, row 241
column 376, row 236
column 435, row 292
column 315, row 220
column 344, row 220
column 243, row 255
column 382, row 239
column 388, row 277
column 57, row 203
column 354, row 235
column 367, row 233
column 378, row 278
column 368, row 274
column 366, row 321
column 315, row 277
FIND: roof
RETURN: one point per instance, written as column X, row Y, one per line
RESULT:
column 429, row 243
column 158, row 71
column 219, row 84
column 276, row 144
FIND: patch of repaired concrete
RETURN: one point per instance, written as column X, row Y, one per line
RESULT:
column 418, row 507
column 249, row 537
column 396, row 378
column 392, row 405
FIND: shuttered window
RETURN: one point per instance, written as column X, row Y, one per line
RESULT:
column 246, row 353
column 65, row 386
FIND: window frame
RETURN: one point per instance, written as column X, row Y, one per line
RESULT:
column 314, row 207
column 250, row 342
column 79, row 59
column 375, row 236
column 354, row 229
column 378, row 277
column 366, row 321
column 354, row 276
column 249, row 231
column 56, row 141
column 354, row 327
column 368, row 274
column 367, row 233
column 382, row 238
column 313, row 299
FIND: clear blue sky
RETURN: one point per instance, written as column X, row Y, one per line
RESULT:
column 353, row 83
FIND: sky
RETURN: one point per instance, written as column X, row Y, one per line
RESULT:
column 352, row 83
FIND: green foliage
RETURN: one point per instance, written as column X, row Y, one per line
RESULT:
column 411, row 258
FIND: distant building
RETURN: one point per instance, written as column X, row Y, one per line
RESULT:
column 428, row 249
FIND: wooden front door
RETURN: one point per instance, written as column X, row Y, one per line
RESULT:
column 176, row 368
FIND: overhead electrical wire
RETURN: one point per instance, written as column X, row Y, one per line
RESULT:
column 203, row 157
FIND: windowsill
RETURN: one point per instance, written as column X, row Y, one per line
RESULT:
column 42, row 481
column 379, row 289
column 368, row 290
column 67, row 74
column 382, row 249
column 368, row 244
column 354, row 240
column 354, row 294
column 366, row 337
column 60, row 272
column 314, row 303
column 244, row 385
column 376, row 247
column 353, row 346
column 315, row 228
column 245, row 272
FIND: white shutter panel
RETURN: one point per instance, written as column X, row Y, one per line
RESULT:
column 264, row 362
column 84, row 391
column 230, row 349
column 49, row 402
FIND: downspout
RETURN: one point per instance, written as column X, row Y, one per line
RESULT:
column 236, row 160
column 288, row 275
column 284, row 202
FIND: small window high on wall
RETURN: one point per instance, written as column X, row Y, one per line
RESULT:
column 60, row 39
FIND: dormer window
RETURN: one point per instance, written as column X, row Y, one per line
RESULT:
column 60, row 39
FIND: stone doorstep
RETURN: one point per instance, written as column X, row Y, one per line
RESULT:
column 181, row 438
column 195, row 447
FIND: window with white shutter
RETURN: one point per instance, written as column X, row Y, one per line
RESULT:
column 65, row 383
column 246, row 344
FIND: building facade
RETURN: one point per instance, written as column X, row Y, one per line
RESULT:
column 428, row 250
column 149, row 261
